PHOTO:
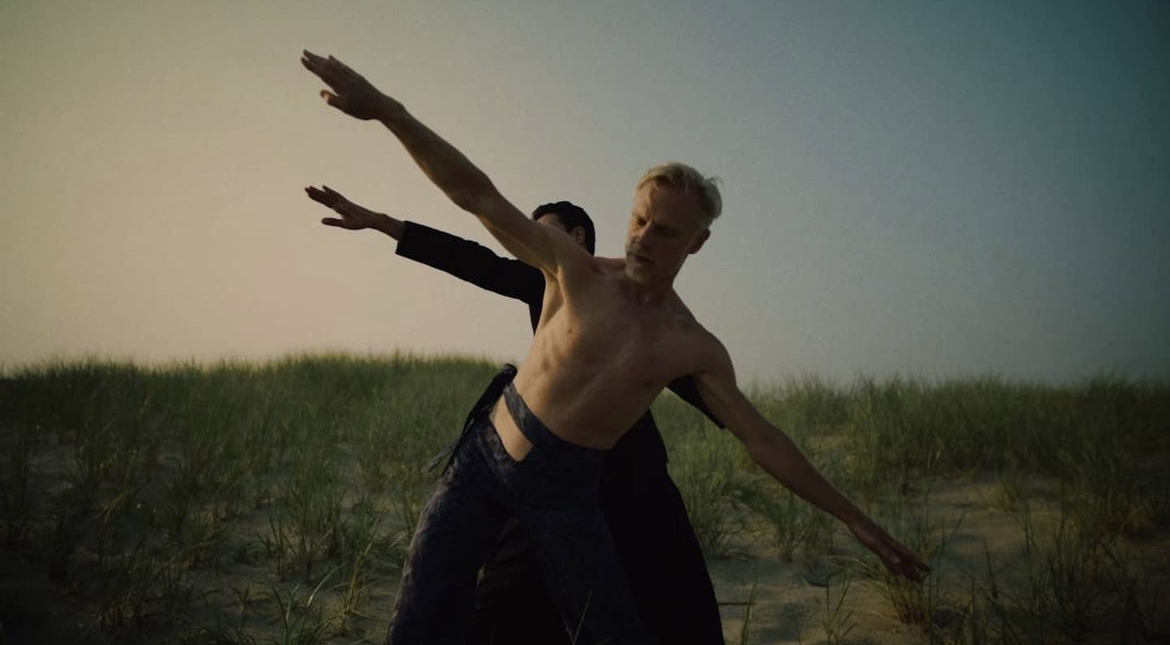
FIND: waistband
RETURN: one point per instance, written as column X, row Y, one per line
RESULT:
column 479, row 410
column 539, row 435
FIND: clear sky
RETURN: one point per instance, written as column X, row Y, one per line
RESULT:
column 917, row 187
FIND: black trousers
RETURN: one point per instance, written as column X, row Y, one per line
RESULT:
column 661, row 557
column 553, row 495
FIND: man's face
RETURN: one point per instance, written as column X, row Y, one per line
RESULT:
column 553, row 220
column 666, row 226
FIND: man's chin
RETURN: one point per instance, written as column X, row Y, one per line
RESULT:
column 638, row 274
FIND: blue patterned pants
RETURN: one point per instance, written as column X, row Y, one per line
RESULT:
column 553, row 493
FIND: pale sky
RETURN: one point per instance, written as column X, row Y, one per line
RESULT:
column 924, row 188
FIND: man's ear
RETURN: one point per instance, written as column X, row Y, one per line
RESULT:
column 578, row 235
column 698, row 243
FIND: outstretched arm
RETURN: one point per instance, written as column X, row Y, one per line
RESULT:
column 461, row 258
column 469, row 188
column 353, row 217
column 779, row 456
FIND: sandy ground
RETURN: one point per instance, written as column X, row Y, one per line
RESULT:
column 790, row 606
column 788, row 602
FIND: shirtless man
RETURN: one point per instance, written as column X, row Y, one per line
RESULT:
column 612, row 334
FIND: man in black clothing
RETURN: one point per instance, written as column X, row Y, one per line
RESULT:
column 643, row 508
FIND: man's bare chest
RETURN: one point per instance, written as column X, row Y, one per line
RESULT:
column 646, row 347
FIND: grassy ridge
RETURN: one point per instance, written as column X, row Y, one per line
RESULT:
column 272, row 502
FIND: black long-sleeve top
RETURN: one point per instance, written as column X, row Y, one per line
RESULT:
column 478, row 265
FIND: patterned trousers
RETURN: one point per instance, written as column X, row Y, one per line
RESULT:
column 553, row 493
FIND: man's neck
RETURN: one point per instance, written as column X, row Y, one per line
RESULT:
column 648, row 294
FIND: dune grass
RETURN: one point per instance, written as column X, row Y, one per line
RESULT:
column 273, row 502
column 1103, row 445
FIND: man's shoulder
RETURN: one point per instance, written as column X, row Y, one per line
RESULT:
column 612, row 265
column 693, row 338
column 706, row 341
column 684, row 319
column 710, row 354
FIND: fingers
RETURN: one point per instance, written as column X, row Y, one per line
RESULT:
column 878, row 541
column 315, row 64
column 897, row 558
column 323, row 70
column 341, row 70
column 907, row 571
column 911, row 557
column 888, row 556
column 334, row 72
column 907, row 563
column 896, row 564
column 907, row 558
column 324, row 191
column 325, row 197
column 331, row 98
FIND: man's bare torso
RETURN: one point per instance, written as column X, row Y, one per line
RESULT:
column 600, row 356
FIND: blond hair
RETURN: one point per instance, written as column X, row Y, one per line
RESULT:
column 685, row 178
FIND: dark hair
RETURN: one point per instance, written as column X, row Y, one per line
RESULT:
column 572, row 216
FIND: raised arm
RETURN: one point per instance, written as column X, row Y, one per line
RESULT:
column 779, row 456
column 461, row 258
column 464, row 184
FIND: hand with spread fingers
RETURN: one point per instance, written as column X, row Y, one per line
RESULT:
column 353, row 217
column 351, row 93
column 896, row 556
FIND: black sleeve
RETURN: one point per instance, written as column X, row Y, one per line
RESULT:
column 471, row 262
column 686, row 389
